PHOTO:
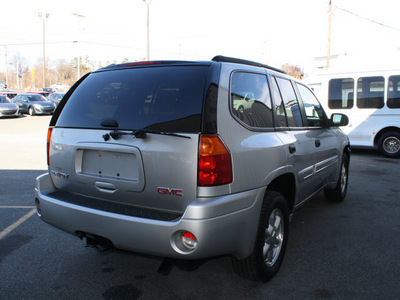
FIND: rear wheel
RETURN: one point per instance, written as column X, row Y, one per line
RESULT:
column 339, row 192
column 389, row 144
column 270, row 245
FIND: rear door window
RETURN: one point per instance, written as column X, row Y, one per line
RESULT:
column 167, row 98
column 291, row 103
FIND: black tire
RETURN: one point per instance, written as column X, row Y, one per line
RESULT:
column 339, row 192
column 31, row 111
column 389, row 144
column 265, row 261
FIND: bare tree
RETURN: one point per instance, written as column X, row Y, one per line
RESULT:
column 293, row 70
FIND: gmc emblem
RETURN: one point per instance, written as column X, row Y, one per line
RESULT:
column 168, row 191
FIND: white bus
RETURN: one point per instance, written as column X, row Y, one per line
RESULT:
column 371, row 100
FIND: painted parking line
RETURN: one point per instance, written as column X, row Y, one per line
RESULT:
column 19, row 221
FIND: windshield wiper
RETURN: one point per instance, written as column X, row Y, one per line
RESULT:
column 140, row 134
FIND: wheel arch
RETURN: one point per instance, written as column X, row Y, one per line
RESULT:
column 383, row 131
column 286, row 185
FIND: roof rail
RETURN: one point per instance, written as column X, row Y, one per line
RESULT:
column 220, row 58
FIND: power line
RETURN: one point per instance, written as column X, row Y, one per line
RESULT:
column 367, row 19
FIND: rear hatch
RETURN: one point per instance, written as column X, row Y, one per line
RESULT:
column 129, row 136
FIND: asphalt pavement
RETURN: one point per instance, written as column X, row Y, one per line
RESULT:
column 346, row 250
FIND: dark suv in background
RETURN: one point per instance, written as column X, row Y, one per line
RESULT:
column 160, row 158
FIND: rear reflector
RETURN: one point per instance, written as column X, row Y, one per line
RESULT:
column 189, row 240
column 215, row 165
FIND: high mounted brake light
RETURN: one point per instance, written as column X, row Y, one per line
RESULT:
column 139, row 63
column 215, row 164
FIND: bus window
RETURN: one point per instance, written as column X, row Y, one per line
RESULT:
column 370, row 92
column 341, row 93
column 394, row 92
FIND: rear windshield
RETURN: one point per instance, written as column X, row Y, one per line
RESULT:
column 157, row 98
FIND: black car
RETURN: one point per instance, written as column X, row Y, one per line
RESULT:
column 34, row 104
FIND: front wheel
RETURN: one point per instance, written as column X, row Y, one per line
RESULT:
column 31, row 111
column 270, row 245
column 389, row 144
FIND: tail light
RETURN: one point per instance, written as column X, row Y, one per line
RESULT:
column 215, row 164
column 49, row 131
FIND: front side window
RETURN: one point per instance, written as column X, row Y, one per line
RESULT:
column 314, row 113
column 250, row 99
column 370, row 92
column 393, row 100
column 341, row 93
column 292, row 108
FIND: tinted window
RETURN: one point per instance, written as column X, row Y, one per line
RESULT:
column 3, row 99
column 370, row 92
column 314, row 113
column 280, row 114
column 157, row 98
column 341, row 93
column 34, row 97
column 250, row 99
column 393, row 100
column 290, row 101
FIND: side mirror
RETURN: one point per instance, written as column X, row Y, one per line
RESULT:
column 339, row 120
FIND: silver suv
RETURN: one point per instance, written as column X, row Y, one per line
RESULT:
column 158, row 158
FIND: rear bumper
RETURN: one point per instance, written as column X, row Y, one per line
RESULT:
column 222, row 225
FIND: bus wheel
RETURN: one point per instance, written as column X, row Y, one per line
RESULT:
column 389, row 144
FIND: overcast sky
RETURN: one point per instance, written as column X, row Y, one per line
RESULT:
column 268, row 31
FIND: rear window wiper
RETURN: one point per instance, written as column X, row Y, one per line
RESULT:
column 140, row 134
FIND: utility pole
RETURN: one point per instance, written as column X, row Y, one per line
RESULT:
column 148, row 28
column 80, row 18
column 5, row 50
column 328, row 56
column 44, row 16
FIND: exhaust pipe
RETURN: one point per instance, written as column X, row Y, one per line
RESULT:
column 94, row 241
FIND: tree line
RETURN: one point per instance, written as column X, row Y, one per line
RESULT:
column 66, row 72
column 58, row 71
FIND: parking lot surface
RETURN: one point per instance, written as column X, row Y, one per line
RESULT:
column 343, row 250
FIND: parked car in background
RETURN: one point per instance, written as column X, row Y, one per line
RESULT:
column 48, row 90
column 55, row 98
column 9, row 93
column 60, row 87
column 7, row 108
column 43, row 93
column 34, row 104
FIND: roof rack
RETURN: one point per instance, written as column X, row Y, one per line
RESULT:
column 220, row 58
